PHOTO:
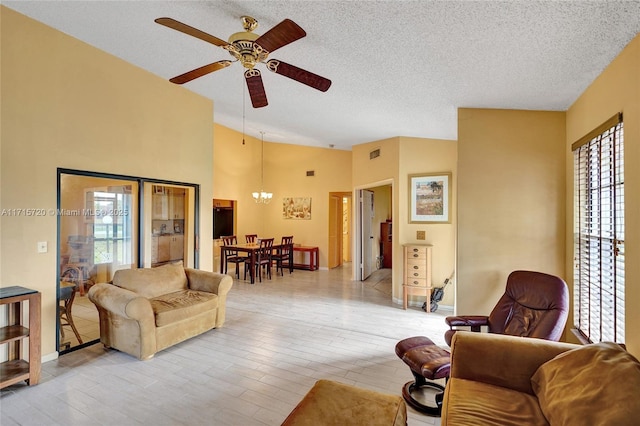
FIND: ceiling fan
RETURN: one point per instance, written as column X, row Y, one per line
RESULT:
column 251, row 49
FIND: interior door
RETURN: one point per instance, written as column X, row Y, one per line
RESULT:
column 366, row 234
column 335, row 231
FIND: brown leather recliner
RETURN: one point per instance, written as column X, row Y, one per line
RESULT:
column 534, row 304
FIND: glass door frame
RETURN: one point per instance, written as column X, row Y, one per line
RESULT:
column 142, row 229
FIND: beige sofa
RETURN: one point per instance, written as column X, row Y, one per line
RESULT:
column 506, row 380
column 147, row 310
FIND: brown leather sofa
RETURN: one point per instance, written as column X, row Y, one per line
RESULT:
column 149, row 309
column 506, row 380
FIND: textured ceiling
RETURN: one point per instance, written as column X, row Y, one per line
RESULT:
column 399, row 68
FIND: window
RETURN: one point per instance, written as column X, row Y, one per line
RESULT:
column 108, row 211
column 599, row 305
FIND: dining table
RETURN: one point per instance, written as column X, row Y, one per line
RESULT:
column 252, row 249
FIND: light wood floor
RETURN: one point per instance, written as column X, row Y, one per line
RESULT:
column 280, row 336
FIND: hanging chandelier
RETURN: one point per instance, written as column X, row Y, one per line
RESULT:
column 262, row 197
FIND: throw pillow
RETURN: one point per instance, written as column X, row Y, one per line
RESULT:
column 597, row 384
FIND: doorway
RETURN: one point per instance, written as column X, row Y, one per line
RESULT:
column 373, row 214
column 340, row 224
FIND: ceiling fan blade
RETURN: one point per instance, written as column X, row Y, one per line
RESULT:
column 298, row 74
column 184, row 28
column 282, row 34
column 199, row 72
column 256, row 88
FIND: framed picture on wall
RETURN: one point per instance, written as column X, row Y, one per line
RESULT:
column 430, row 198
column 296, row 208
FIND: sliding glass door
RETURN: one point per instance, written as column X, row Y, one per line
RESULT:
column 110, row 222
column 98, row 235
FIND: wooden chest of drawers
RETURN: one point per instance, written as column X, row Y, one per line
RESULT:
column 417, row 271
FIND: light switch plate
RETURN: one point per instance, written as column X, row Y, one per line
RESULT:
column 421, row 235
column 42, row 247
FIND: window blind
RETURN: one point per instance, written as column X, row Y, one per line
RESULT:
column 599, row 302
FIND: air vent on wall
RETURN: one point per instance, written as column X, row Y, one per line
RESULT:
column 374, row 154
column 311, row 173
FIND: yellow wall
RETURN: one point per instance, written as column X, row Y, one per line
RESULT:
column 66, row 104
column 429, row 156
column 400, row 157
column 511, row 200
column 237, row 175
column 617, row 89
column 370, row 173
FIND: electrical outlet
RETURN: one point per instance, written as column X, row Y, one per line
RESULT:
column 421, row 235
column 42, row 247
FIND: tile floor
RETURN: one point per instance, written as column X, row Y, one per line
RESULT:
column 280, row 336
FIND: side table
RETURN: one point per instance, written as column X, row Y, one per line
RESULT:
column 313, row 257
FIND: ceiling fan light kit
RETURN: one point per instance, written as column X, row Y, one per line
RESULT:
column 262, row 196
column 251, row 49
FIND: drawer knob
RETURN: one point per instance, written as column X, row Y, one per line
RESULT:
column 416, row 282
column 415, row 266
column 415, row 274
column 415, row 255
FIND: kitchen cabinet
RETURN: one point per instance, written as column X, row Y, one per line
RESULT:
column 164, row 248
column 177, row 204
column 176, row 248
column 160, row 208
column 222, row 204
column 169, row 249
column 168, row 203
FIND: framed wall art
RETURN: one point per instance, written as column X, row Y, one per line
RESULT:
column 430, row 198
column 296, row 208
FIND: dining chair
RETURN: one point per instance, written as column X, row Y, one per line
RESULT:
column 251, row 238
column 67, row 296
column 231, row 256
column 263, row 258
column 283, row 255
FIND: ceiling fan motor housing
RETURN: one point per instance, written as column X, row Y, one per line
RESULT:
column 243, row 46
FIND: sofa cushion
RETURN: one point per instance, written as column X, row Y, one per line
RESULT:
column 595, row 384
column 179, row 305
column 480, row 404
column 152, row 282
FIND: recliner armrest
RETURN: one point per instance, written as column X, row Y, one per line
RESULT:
column 467, row 321
column 501, row 360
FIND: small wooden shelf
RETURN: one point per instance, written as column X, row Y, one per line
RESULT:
column 13, row 372
column 13, row 332
column 17, row 369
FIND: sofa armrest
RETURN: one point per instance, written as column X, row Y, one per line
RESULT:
column 127, row 321
column 501, row 360
column 210, row 282
column 122, row 302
